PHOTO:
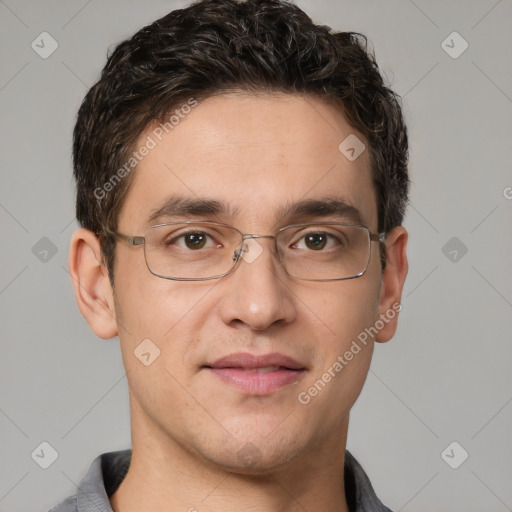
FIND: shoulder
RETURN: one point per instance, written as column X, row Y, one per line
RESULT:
column 105, row 474
column 68, row 505
column 359, row 491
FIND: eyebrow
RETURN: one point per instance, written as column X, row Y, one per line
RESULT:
column 335, row 207
column 179, row 206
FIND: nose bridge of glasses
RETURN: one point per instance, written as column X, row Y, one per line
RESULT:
column 249, row 236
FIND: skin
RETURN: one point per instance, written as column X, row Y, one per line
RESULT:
column 256, row 153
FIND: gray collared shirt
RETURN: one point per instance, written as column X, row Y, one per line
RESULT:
column 109, row 469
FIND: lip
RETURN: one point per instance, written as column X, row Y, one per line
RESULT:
column 257, row 374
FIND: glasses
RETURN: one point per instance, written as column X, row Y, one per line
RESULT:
column 197, row 251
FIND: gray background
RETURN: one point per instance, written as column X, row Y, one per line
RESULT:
column 446, row 375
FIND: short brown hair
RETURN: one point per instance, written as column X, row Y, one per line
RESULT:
column 215, row 46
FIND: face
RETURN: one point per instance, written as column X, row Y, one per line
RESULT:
column 256, row 155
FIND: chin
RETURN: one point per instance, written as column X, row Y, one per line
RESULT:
column 254, row 458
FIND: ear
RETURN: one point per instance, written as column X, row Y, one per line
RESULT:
column 93, row 291
column 393, row 279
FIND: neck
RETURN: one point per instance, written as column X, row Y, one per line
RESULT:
column 167, row 475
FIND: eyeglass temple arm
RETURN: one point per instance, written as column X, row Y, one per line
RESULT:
column 377, row 237
column 130, row 240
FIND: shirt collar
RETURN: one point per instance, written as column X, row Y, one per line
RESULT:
column 109, row 469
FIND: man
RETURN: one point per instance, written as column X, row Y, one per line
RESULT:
column 241, row 184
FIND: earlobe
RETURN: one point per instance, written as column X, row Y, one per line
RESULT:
column 93, row 291
column 393, row 280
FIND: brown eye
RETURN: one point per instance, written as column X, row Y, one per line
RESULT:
column 192, row 240
column 316, row 241
column 195, row 240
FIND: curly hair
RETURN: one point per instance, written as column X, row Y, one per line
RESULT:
column 217, row 46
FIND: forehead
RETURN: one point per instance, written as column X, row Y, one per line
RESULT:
column 256, row 156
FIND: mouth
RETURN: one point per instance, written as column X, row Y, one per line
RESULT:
column 257, row 374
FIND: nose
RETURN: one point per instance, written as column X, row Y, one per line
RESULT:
column 257, row 293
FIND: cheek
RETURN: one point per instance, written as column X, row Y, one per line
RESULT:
column 346, row 308
column 342, row 363
column 156, row 315
column 151, row 307
column 161, row 318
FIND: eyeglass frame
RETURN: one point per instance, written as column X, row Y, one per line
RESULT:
column 137, row 240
